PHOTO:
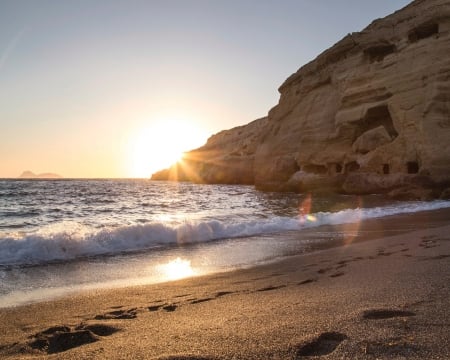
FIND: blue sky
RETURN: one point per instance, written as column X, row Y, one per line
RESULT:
column 81, row 81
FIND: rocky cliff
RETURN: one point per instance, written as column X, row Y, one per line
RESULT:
column 370, row 114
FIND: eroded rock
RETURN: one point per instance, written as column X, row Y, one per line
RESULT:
column 369, row 115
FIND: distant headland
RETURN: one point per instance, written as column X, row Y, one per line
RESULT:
column 31, row 175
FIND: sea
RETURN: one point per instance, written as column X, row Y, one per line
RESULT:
column 59, row 237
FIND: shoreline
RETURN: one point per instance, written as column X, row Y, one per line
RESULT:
column 321, row 302
column 286, row 244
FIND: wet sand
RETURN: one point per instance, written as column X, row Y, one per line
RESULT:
column 381, row 291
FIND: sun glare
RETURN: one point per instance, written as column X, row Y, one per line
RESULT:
column 158, row 145
column 177, row 269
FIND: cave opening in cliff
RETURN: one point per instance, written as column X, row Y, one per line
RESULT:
column 378, row 116
column 423, row 31
column 351, row 166
column 379, row 52
column 316, row 169
column 386, row 169
column 338, row 168
column 412, row 167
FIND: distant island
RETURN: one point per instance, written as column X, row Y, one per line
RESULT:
column 31, row 175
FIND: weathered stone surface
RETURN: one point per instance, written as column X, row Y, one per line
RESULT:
column 376, row 105
column 412, row 193
column 303, row 181
column 371, row 140
column 369, row 115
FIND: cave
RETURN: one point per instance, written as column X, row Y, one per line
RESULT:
column 316, row 169
column 351, row 167
column 423, row 31
column 386, row 169
column 412, row 167
column 334, row 168
column 379, row 52
column 377, row 116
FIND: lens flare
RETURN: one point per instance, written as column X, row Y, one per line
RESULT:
column 305, row 210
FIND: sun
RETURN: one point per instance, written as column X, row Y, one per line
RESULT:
column 160, row 144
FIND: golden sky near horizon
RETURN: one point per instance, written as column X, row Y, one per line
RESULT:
column 115, row 88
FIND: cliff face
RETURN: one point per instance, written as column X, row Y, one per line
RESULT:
column 370, row 114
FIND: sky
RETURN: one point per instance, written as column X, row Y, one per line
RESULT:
column 119, row 88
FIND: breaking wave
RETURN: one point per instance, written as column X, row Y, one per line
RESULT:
column 69, row 244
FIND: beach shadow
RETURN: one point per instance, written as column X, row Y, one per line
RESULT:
column 324, row 344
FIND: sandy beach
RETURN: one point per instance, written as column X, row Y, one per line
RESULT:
column 381, row 292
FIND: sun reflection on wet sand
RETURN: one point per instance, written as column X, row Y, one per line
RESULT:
column 177, row 269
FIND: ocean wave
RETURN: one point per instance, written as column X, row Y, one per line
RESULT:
column 19, row 213
column 38, row 248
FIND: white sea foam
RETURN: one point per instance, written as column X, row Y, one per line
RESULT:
column 76, row 242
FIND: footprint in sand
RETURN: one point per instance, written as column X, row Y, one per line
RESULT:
column 335, row 275
column 118, row 314
column 98, row 329
column 324, row 344
column 154, row 307
column 324, row 270
column 378, row 314
column 166, row 307
column 198, row 301
column 307, row 281
column 169, row 308
column 428, row 244
column 269, row 288
column 57, row 339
